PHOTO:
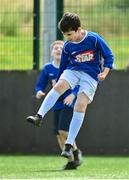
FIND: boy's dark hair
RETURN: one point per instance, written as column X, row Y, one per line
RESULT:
column 69, row 22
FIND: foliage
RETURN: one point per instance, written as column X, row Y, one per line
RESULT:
column 13, row 18
column 9, row 24
column 124, row 4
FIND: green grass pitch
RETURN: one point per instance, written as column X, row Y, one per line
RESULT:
column 50, row 167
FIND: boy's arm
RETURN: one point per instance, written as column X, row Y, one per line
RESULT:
column 106, row 52
column 108, row 58
column 63, row 63
column 41, row 84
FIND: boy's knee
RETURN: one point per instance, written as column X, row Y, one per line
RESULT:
column 61, row 86
column 80, row 107
column 63, row 133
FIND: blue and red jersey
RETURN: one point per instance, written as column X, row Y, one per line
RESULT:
column 89, row 55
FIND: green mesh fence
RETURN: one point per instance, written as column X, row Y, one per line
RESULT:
column 16, row 34
column 110, row 18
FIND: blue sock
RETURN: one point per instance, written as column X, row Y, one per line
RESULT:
column 48, row 102
column 75, row 126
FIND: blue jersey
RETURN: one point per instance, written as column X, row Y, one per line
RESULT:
column 88, row 55
column 49, row 74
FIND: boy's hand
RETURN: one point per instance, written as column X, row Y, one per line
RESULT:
column 69, row 100
column 103, row 74
column 40, row 94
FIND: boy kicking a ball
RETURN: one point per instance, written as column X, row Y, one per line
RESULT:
column 63, row 108
column 82, row 58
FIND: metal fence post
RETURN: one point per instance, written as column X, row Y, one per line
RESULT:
column 36, row 34
column 59, row 11
column 50, row 27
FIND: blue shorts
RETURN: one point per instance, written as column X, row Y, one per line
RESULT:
column 62, row 119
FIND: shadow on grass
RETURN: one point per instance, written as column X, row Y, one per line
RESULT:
column 54, row 170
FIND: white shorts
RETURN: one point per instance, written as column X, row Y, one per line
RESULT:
column 87, row 84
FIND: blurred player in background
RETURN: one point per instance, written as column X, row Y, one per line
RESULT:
column 63, row 109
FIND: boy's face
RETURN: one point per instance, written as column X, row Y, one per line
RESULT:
column 56, row 51
column 72, row 35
